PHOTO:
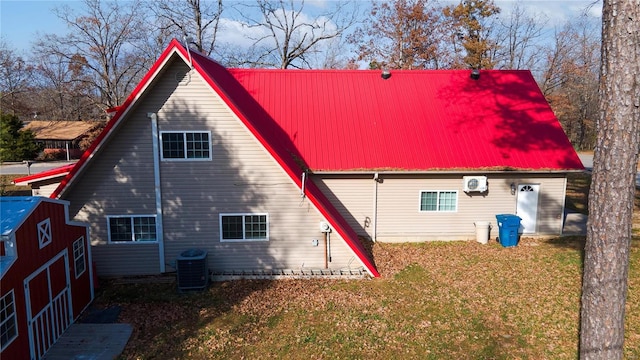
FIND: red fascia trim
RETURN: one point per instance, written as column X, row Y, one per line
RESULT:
column 44, row 174
column 313, row 193
column 116, row 118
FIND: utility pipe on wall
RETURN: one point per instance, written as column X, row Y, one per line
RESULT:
column 326, row 250
column 157, row 187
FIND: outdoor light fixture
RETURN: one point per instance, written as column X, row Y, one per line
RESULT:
column 475, row 74
column 385, row 74
column 513, row 189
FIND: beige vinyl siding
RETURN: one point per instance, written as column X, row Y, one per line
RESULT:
column 354, row 199
column 241, row 178
column 399, row 217
column 119, row 181
column 45, row 190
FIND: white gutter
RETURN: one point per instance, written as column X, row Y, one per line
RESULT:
column 158, row 188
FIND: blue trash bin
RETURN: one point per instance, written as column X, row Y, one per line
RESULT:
column 508, row 227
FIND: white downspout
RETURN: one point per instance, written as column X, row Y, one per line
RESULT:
column 158, row 188
column 374, row 230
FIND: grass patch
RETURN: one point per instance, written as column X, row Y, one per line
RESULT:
column 7, row 188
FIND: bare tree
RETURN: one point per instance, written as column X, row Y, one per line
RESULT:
column 401, row 34
column 59, row 93
column 196, row 19
column 570, row 79
column 611, row 198
column 284, row 35
column 519, row 37
column 15, row 77
column 104, row 40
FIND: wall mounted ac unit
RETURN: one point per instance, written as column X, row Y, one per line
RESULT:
column 474, row 183
column 192, row 270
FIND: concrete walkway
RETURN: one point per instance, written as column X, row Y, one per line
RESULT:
column 90, row 342
column 574, row 224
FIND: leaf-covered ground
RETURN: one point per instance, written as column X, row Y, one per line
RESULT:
column 440, row 300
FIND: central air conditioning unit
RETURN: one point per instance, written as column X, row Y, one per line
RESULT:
column 474, row 183
column 192, row 270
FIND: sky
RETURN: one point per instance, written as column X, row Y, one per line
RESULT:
column 21, row 21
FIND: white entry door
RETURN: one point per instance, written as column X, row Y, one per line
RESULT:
column 527, row 207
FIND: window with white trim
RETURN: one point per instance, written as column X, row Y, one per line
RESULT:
column 138, row 228
column 8, row 322
column 185, row 145
column 244, row 227
column 79, row 261
column 44, row 232
column 439, row 201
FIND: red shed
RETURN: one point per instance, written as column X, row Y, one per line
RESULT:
column 45, row 274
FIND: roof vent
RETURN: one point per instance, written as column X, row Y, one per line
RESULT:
column 475, row 74
column 385, row 74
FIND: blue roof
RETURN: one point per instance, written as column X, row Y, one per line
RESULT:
column 14, row 210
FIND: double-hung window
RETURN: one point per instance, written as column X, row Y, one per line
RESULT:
column 186, row 145
column 8, row 322
column 439, row 201
column 138, row 228
column 244, row 227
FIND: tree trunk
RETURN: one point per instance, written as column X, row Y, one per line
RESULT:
column 606, row 261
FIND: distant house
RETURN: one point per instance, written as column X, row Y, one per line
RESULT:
column 262, row 168
column 45, row 272
column 62, row 137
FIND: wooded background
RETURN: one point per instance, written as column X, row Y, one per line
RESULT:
column 110, row 45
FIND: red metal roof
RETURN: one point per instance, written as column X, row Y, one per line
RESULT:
column 340, row 120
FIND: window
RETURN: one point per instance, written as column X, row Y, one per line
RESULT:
column 244, row 227
column 186, row 145
column 44, row 233
column 438, row 201
column 132, row 228
column 8, row 325
column 78, row 257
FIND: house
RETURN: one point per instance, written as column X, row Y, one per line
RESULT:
column 62, row 137
column 45, row 182
column 45, row 274
column 272, row 171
